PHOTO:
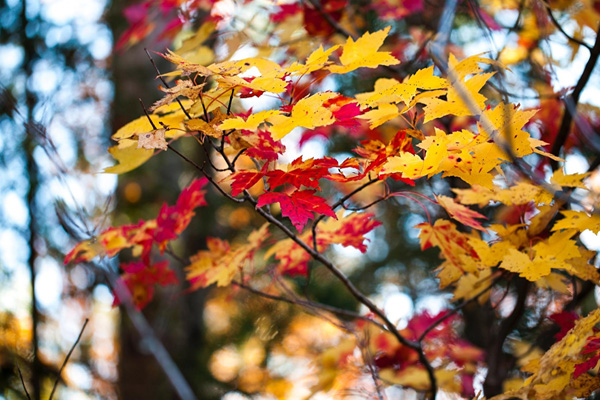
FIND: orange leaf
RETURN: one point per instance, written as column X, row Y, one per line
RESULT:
column 462, row 214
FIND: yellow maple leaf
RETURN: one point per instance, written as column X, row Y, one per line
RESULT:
column 472, row 284
column 172, row 119
column 207, row 128
column 462, row 154
column 391, row 91
column 521, row 193
column 408, row 164
column 553, row 253
column 315, row 61
column 490, row 254
column 578, row 220
column 508, row 122
column 436, row 108
column 518, row 262
column 572, row 180
column 553, row 373
column 251, row 123
column 364, row 53
column 380, row 115
column 220, row 263
column 307, row 113
column 129, row 157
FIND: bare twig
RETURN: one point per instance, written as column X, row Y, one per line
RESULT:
column 159, row 76
column 230, row 102
column 561, row 30
column 337, row 204
column 23, row 382
column 334, row 24
column 309, row 304
column 496, row 365
column 147, row 115
column 62, row 367
column 455, row 310
column 573, row 99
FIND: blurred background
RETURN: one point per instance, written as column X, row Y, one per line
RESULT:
column 66, row 89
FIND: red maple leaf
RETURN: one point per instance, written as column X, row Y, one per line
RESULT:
column 141, row 278
column 244, row 179
column 264, row 146
column 286, row 10
column 344, row 110
column 172, row 220
column 300, row 172
column 592, row 346
column 298, row 207
column 565, row 320
column 314, row 22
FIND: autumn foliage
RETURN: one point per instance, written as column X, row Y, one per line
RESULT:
column 506, row 223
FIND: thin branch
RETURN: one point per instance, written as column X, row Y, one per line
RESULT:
column 309, row 304
column 337, row 204
column 147, row 115
column 356, row 293
column 368, row 359
column 565, row 34
column 572, row 100
column 23, row 382
column 206, row 175
column 147, row 334
column 237, row 156
column 213, row 166
column 455, row 310
column 230, row 102
column 332, row 22
column 159, row 76
column 62, row 367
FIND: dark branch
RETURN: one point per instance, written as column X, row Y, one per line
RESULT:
column 159, row 76
column 572, row 100
column 565, row 34
column 62, row 367
column 23, row 382
column 309, row 304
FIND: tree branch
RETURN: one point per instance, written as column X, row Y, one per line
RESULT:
column 309, row 304
column 159, row 75
column 565, row 34
column 62, row 367
column 23, row 382
column 572, row 100
column 496, row 361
